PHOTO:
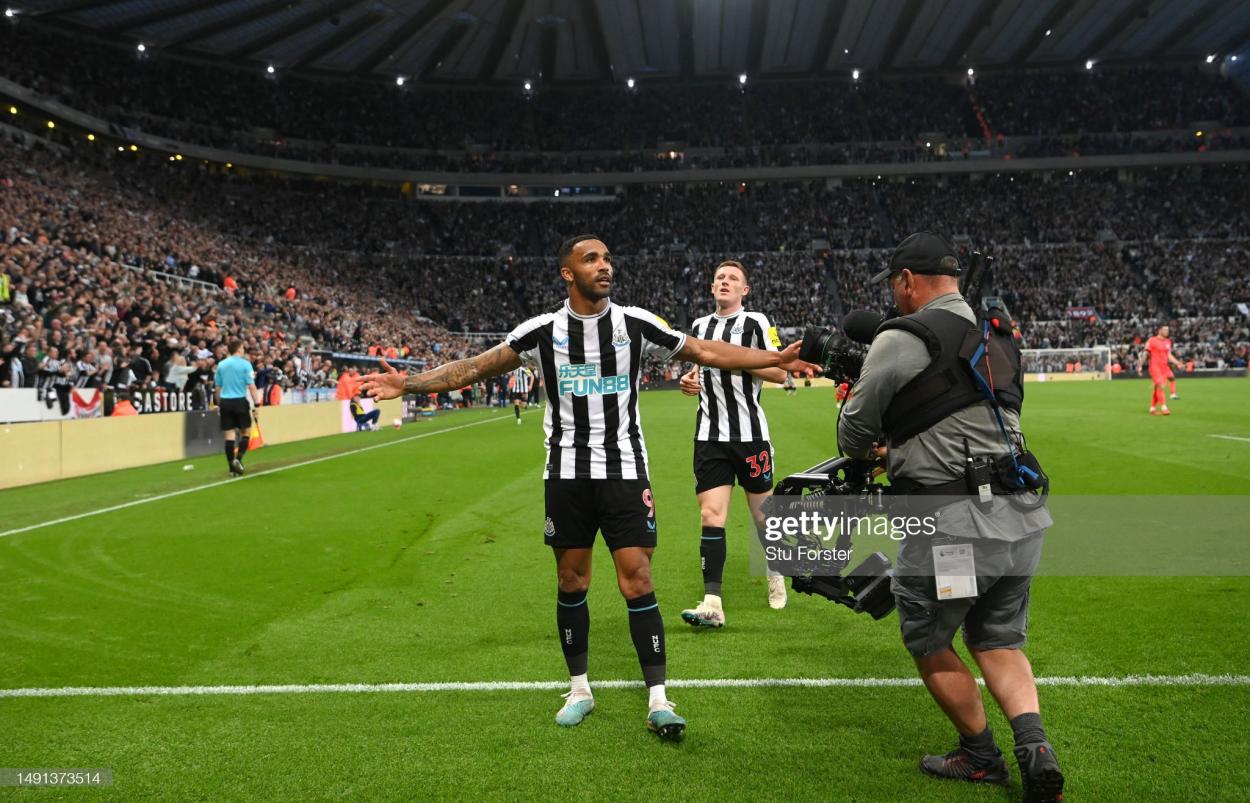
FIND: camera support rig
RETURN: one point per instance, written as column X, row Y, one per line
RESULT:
column 866, row 588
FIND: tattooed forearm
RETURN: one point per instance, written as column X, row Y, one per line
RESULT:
column 452, row 376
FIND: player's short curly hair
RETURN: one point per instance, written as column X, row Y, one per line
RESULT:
column 566, row 247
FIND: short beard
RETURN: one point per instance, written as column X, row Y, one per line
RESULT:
column 591, row 291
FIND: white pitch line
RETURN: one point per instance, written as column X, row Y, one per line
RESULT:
column 1230, row 438
column 544, row 685
column 232, row 480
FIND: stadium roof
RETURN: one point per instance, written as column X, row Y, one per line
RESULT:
column 482, row 41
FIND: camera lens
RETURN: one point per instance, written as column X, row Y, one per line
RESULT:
column 817, row 345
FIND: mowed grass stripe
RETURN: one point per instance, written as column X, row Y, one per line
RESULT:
column 249, row 476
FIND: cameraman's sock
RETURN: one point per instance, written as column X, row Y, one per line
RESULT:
column 712, row 557
column 981, row 747
column 573, row 621
column 242, row 447
column 646, row 627
column 1027, row 728
column 229, row 452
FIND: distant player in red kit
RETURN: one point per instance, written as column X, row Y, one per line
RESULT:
column 1159, row 352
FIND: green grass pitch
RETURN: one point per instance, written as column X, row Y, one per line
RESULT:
column 423, row 561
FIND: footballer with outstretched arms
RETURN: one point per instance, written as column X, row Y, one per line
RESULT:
column 589, row 353
column 1159, row 353
column 730, row 436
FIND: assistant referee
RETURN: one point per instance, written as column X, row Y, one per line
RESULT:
column 234, row 382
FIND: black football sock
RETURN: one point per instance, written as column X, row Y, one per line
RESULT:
column 647, row 629
column 712, row 556
column 516, row 408
column 981, row 747
column 1027, row 728
column 573, row 621
column 242, row 447
column 229, row 452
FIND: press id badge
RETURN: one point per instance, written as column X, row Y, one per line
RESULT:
column 954, row 571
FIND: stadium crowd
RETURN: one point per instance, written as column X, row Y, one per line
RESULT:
column 105, row 285
column 136, row 270
column 819, row 121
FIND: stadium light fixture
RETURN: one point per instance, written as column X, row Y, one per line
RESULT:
column 91, row 137
column 1210, row 58
column 142, row 48
column 1048, row 31
column 1232, row 58
column 846, row 51
column 928, row 144
column 120, row 148
column 971, row 72
column 12, row 110
column 1198, row 134
column 855, row 74
column 134, row 148
column 10, row 13
column 529, row 86
column 629, row 82
column 229, row 165
column 399, row 80
column 742, row 79
column 1089, row 64
column 270, row 69
column 556, row 194
column 51, row 124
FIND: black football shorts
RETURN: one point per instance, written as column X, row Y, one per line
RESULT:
column 622, row 510
column 749, row 462
column 235, row 414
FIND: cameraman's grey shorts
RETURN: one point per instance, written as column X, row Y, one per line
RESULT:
column 996, row 618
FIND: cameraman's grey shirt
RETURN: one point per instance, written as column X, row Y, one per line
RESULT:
column 935, row 456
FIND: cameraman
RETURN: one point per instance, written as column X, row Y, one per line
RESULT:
column 926, row 445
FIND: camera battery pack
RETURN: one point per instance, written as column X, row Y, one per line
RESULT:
column 978, row 475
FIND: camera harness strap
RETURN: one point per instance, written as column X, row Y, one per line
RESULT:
column 1021, row 474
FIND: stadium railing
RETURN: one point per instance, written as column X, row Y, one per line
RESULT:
column 181, row 282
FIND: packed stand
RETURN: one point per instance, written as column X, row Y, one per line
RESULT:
column 346, row 268
column 96, row 293
column 1110, row 100
column 829, row 120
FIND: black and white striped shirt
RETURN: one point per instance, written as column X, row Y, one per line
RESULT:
column 520, row 380
column 729, row 401
column 590, row 367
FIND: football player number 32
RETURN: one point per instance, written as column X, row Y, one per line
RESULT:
column 760, row 464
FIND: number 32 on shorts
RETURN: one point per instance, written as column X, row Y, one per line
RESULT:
column 761, row 463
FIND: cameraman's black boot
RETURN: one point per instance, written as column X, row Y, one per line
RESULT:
column 1039, row 773
column 961, row 765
